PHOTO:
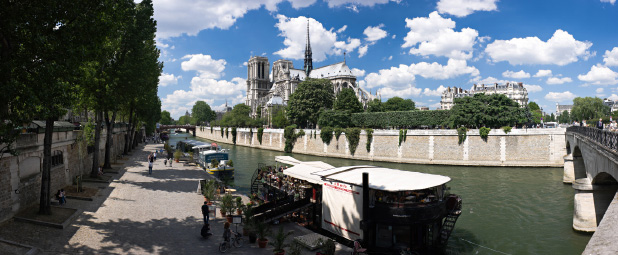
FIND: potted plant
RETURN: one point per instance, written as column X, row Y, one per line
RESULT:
column 278, row 241
column 214, row 163
column 262, row 230
column 239, row 205
column 295, row 249
column 329, row 247
column 177, row 155
column 247, row 229
column 208, row 190
column 227, row 206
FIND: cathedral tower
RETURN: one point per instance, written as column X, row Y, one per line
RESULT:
column 258, row 81
column 308, row 61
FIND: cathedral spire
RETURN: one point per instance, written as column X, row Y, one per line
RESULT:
column 308, row 61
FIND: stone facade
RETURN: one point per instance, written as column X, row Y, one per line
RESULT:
column 561, row 108
column 20, row 176
column 521, row 147
column 515, row 91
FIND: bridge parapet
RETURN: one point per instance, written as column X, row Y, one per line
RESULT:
column 606, row 138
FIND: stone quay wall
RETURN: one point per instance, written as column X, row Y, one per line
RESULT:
column 20, row 176
column 519, row 148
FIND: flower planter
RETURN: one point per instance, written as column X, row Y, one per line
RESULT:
column 281, row 252
column 230, row 219
column 262, row 243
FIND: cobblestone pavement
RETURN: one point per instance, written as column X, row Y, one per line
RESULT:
column 138, row 213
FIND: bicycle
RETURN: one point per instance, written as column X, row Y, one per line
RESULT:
column 235, row 239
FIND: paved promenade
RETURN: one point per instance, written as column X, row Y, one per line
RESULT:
column 137, row 213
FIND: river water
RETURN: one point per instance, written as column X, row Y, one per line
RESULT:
column 505, row 210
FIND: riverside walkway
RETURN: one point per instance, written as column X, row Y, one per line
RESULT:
column 138, row 213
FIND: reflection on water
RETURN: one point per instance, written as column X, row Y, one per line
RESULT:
column 505, row 210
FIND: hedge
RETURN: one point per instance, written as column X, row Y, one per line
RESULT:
column 405, row 119
column 332, row 118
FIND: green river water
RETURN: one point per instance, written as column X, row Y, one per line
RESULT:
column 506, row 210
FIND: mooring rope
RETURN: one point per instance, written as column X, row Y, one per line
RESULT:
column 483, row 246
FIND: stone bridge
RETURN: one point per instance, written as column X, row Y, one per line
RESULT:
column 186, row 127
column 591, row 165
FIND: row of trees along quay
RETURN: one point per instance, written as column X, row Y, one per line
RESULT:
column 314, row 104
column 94, row 56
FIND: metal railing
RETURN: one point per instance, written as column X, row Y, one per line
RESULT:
column 605, row 138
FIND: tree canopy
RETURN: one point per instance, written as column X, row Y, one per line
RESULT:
column 202, row 113
column 347, row 101
column 398, row 104
column 311, row 96
column 493, row 111
column 240, row 117
column 166, row 118
column 585, row 108
column 375, row 105
column 564, row 117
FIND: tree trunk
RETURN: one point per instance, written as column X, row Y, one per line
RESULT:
column 127, row 137
column 133, row 135
column 109, row 139
column 45, row 200
column 94, row 172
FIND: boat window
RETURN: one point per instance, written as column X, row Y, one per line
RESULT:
column 384, row 236
column 401, row 236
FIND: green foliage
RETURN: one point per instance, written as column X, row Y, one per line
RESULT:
column 484, row 132
column 230, row 163
column 227, row 132
column 338, row 132
column 239, row 117
column 166, row 118
column 403, row 133
column 88, row 134
column 408, row 119
column 211, row 129
column 221, row 132
column 332, row 118
column 214, row 163
column 184, row 120
column 398, row 104
column 278, row 240
column 290, row 137
column 588, row 108
column 534, row 106
column 369, row 132
column 353, row 137
column 208, row 189
column 347, row 101
column 492, row 111
column 177, row 154
column 260, row 133
column 262, row 229
column 201, row 113
column 279, row 119
column 326, row 134
column 234, row 135
column 462, row 134
column 227, row 204
column 564, row 117
column 375, row 105
column 506, row 129
column 308, row 99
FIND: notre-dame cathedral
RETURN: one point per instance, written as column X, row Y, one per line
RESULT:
column 265, row 92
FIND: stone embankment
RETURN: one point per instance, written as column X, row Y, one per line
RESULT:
column 520, row 147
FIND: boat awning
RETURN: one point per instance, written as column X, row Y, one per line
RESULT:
column 287, row 160
column 304, row 170
column 383, row 178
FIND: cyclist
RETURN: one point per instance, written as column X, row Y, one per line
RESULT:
column 227, row 233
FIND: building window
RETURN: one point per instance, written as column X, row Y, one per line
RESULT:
column 57, row 158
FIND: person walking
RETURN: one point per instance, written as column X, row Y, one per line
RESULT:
column 150, row 162
column 171, row 160
column 62, row 196
column 155, row 155
column 600, row 124
column 206, row 212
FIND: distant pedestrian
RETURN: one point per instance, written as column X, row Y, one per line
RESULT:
column 62, row 196
column 600, row 124
column 206, row 212
column 155, row 156
column 150, row 162
column 171, row 162
column 165, row 162
column 150, row 168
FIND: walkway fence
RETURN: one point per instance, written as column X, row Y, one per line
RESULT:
column 606, row 138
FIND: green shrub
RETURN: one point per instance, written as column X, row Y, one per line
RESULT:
column 403, row 133
column 484, row 132
column 461, row 134
column 353, row 137
column 221, row 132
column 211, row 129
column 506, row 129
column 234, row 135
column 260, row 134
column 369, row 132
column 326, row 134
column 405, row 119
column 227, row 132
column 332, row 118
column 290, row 137
column 338, row 132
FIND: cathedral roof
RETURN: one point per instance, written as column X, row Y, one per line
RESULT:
column 275, row 101
column 337, row 69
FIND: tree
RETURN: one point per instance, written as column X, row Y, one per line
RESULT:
column 535, row 110
column 279, row 119
column 399, row 104
column 492, row 111
column 588, row 108
column 166, row 118
column 552, row 117
column 533, row 106
column 564, row 117
column 240, row 117
column 202, row 113
column 347, row 101
column 184, row 120
column 375, row 105
column 310, row 97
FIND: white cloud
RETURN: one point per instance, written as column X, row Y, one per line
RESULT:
column 358, row 72
column 613, row 97
column 374, row 33
column 515, row 75
column 434, row 70
column 559, row 96
column 543, row 73
column 488, row 80
column 611, row 57
column 342, row 29
column 394, row 36
column 362, row 50
column 461, row 8
column 437, row 92
column 403, row 93
column 352, row 8
column 390, row 57
column 435, row 36
column 168, row 79
column 397, row 77
column 336, row 3
column 600, row 75
column 205, row 89
column 609, row 1
column 600, row 90
column 557, row 80
column 244, row 63
column 323, row 42
column 533, row 88
column 205, row 65
column 560, row 49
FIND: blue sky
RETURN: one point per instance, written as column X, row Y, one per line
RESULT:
column 413, row 49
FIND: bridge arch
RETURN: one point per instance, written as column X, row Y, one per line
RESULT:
column 579, row 166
